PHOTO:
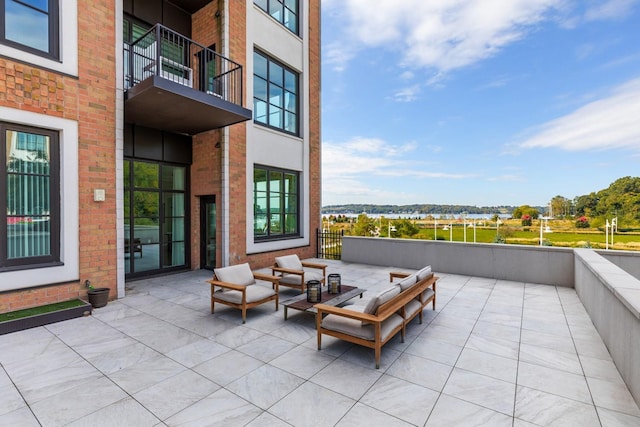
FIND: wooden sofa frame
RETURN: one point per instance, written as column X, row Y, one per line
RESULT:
column 384, row 311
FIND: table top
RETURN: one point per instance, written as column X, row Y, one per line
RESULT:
column 299, row 302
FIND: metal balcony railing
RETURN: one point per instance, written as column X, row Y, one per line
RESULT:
column 172, row 56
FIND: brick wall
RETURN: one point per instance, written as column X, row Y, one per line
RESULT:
column 89, row 99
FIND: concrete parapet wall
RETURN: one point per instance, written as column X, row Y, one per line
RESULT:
column 611, row 296
column 626, row 260
column 533, row 264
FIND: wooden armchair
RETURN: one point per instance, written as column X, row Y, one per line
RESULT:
column 237, row 288
column 295, row 273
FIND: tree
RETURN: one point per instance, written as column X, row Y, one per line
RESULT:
column 523, row 210
column 406, row 228
column 365, row 226
column 560, row 207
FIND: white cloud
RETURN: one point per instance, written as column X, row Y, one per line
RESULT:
column 609, row 9
column 607, row 123
column 407, row 94
column 443, row 35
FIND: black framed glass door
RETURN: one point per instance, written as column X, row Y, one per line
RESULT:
column 208, row 232
column 155, row 224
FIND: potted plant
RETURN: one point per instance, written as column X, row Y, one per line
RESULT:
column 98, row 297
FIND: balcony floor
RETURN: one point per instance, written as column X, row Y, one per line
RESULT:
column 494, row 353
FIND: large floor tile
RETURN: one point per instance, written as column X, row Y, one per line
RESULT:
column 450, row 411
column 146, row 374
column 125, row 412
column 402, row 399
column 488, row 364
column 266, row 348
column 265, row 386
column 228, row 367
column 554, row 381
column 550, row 410
column 365, row 416
column 176, row 393
column 302, row 361
column 482, row 390
column 550, row 358
column 221, row 408
column 421, row 371
column 613, row 395
column 72, row 404
column 307, row 406
column 347, row 378
column 610, row 418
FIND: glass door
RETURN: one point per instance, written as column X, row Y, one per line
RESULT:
column 155, row 202
column 208, row 232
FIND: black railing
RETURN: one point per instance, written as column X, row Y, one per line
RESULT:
column 163, row 52
column 329, row 244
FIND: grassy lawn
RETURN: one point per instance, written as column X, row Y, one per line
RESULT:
column 12, row 315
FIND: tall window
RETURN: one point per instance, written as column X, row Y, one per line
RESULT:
column 283, row 11
column 29, row 196
column 275, row 94
column 31, row 25
column 275, row 203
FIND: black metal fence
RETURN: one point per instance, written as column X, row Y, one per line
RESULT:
column 329, row 244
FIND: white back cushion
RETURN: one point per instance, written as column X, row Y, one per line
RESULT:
column 289, row 261
column 237, row 274
column 381, row 298
column 422, row 274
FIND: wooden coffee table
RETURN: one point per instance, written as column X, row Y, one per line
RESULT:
column 299, row 302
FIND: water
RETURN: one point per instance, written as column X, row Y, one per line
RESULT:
column 423, row 216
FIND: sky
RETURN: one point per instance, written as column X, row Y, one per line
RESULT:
column 478, row 102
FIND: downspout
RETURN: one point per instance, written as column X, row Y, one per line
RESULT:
column 225, row 146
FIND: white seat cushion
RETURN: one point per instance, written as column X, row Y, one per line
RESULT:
column 254, row 293
column 289, row 261
column 294, row 279
column 426, row 294
column 355, row 327
column 236, row 274
column 411, row 308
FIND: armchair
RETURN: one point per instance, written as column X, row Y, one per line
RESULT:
column 295, row 273
column 237, row 288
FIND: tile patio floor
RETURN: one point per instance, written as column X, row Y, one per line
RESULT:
column 494, row 353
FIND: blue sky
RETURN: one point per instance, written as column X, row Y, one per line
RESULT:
column 478, row 102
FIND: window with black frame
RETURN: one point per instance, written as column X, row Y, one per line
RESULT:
column 283, row 11
column 29, row 201
column 31, row 25
column 275, row 94
column 276, row 212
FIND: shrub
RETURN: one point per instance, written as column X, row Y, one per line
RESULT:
column 526, row 220
column 582, row 222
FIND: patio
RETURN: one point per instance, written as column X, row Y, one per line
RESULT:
column 494, row 353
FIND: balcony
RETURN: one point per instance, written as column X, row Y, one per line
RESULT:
column 175, row 84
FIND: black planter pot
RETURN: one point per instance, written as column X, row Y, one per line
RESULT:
column 98, row 297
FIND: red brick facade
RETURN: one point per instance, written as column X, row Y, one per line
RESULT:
column 90, row 100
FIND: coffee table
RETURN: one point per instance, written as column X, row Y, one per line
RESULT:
column 299, row 302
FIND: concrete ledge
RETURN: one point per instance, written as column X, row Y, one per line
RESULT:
column 611, row 296
column 532, row 264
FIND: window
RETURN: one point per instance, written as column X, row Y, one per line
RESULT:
column 283, row 11
column 275, row 203
column 29, row 196
column 31, row 25
column 275, row 94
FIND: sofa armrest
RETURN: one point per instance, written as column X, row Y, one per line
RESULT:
column 345, row 312
column 397, row 275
